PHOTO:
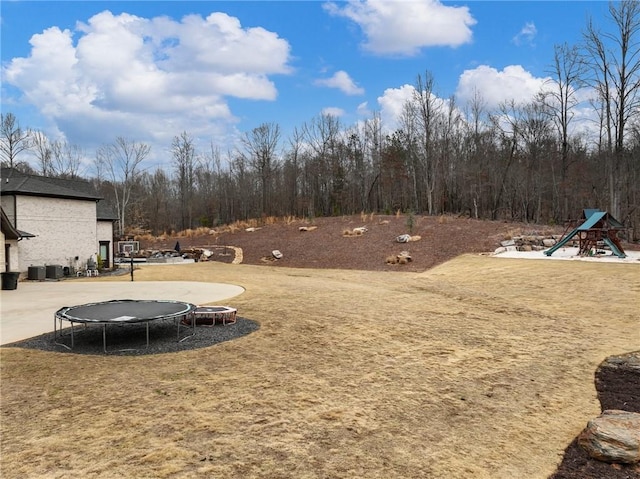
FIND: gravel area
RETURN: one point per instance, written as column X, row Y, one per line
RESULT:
column 130, row 339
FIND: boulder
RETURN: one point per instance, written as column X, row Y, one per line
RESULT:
column 403, row 257
column 548, row 242
column 276, row 254
column 614, row 436
column 403, row 238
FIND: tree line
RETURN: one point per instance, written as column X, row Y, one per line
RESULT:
column 517, row 162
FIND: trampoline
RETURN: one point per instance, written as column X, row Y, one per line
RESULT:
column 122, row 312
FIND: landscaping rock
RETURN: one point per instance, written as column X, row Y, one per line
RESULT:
column 614, row 436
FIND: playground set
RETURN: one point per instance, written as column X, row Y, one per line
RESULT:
column 596, row 229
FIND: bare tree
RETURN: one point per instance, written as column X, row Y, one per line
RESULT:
column 409, row 136
column 66, row 159
column 291, row 170
column 322, row 170
column 57, row 158
column 13, row 139
column 428, row 113
column 184, row 162
column 260, row 146
column 157, row 201
column 121, row 162
column 41, row 146
column 614, row 72
column 560, row 101
column 208, row 173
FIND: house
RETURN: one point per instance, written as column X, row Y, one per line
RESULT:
column 68, row 223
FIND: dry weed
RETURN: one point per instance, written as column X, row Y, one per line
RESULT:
column 144, row 237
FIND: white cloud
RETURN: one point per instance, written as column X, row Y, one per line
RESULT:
column 495, row 87
column 333, row 111
column 132, row 76
column 404, row 27
column 392, row 103
column 343, row 82
column 526, row 35
column 363, row 110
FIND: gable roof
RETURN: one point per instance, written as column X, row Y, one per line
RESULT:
column 7, row 228
column 105, row 212
column 602, row 219
column 17, row 183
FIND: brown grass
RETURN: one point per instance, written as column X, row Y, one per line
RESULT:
column 479, row 368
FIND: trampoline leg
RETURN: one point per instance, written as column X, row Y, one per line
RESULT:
column 57, row 331
column 147, row 334
column 193, row 326
column 104, row 337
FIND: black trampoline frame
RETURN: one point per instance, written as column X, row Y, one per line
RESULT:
column 66, row 314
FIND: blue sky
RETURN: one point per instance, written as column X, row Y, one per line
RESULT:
column 89, row 71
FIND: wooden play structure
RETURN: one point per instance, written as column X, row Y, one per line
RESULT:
column 595, row 229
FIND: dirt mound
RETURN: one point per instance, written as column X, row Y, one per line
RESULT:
column 322, row 242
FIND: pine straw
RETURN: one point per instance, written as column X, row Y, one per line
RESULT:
column 480, row 368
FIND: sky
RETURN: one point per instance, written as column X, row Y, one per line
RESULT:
column 87, row 72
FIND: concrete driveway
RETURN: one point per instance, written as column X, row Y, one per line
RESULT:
column 28, row 310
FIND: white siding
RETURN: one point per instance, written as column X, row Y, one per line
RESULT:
column 64, row 229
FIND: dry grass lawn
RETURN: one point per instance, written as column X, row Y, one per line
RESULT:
column 479, row 368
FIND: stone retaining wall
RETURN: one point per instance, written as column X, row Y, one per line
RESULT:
column 535, row 242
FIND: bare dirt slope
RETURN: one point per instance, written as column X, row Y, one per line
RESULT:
column 327, row 246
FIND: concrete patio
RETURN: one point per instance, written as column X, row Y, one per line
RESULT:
column 29, row 310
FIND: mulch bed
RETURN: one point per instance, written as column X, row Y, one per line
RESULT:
column 617, row 389
column 130, row 339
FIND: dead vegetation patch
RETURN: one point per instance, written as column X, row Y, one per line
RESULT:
column 480, row 368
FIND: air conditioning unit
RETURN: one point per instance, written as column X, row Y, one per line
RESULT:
column 54, row 271
column 36, row 273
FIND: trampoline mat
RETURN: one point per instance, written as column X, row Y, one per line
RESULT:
column 128, row 311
